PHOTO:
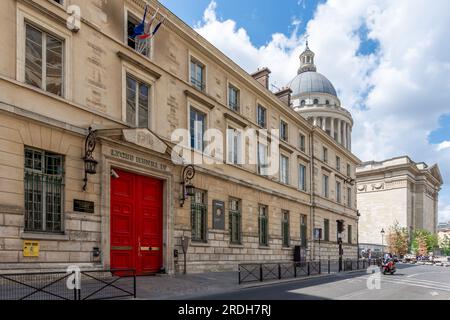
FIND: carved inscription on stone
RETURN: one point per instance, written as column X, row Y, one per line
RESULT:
column 96, row 73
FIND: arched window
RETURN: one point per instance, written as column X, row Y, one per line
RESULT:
column 303, row 103
column 316, row 101
column 327, row 102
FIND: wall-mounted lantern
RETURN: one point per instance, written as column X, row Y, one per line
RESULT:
column 187, row 188
column 350, row 181
column 90, row 164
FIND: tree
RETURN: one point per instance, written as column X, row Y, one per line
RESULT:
column 424, row 242
column 445, row 245
column 397, row 240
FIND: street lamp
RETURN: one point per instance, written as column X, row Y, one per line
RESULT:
column 382, row 241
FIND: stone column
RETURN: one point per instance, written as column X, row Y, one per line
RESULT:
column 315, row 121
column 332, row 128
column 339, row 135
column 344, row 134
column 324, row 124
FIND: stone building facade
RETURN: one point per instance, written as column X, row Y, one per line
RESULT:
column 394, row 191
column 59, row 79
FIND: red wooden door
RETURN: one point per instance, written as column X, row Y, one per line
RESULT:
column 136, row 223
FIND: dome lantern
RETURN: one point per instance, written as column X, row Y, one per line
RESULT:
column 307, row 61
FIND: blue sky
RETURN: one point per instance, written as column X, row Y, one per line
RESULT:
column 387, row 60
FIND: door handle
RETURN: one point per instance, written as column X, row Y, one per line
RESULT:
column 149, row 248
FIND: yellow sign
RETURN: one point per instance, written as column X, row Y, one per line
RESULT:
column 31, row 248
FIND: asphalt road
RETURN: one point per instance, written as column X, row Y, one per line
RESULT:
column 411, row 282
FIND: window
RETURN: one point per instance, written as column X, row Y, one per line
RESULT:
column 44, row 191
column 302, row 142
column 303, row 231
column 349, row 197
column 137, row 103
column 284, row 170
column 302, row 177
column 285, row 228
column 197, row 129
column 316, row 101
column 261, row 114
column 234, row 145
column 141, row 46
column 349, row 172
column 284, row 131
column 325, row 187
column 198, row 216
column 349, row 230
column 233, row 98
column 235, row 221
column 198, row 75
column 326, row 228
column 263, row 151
column 61, row 2
column 303, row 103
column 325, row 155
column 327, row 102
column 338, row 192
column 263, row 226
column 338, row 163
column 44, row 61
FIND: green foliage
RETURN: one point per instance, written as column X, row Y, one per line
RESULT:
column 424, row 242
column 445, row 245
column 398, row 240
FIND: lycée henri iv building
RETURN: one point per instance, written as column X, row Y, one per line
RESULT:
column 57, row 80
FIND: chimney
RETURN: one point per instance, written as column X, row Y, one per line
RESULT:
column 262, row 76
column 285, row 96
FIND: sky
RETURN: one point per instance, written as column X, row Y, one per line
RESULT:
column 389, row 62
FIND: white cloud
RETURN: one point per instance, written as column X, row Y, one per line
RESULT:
column 403, row 86
column 444, row 145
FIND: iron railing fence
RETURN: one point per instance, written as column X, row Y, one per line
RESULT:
column 82, row 285
column 259, row 272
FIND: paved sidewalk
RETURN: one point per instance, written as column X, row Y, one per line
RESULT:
column 174, row 287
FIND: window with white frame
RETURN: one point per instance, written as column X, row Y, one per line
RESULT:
column 233, row 98
column 302, row 177
column 141, row 46
column 44, row 60
column 261, row 116
column 198, row 74
column 284, row 169
column 325, row 186
column 263, row 151
column 138, row 101
column 197, row 129
column 234, row 146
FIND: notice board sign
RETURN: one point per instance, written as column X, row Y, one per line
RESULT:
column 218, row 215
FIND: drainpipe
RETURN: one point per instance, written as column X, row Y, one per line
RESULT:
column 312, row 199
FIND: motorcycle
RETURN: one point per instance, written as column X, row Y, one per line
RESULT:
column 388, row 267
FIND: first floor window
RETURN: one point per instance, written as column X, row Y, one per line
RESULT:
column 141, row 46
column 303, row 231
column 349, row 197
column 263, row 226
column 44, row 60
column 197, row 129
column 233, row 98
column 263, row 151
column 302, row 142
column 261, row 116
column 285, row 228
column 338, row 192
column 44, row 191
column 326, row 230
column 284, row 131
column 198, row 216
column 325, row 186
column 234, row 146
column 137, row 103
column 235, row 221
column 302, row 177
column 349, row 229
column 284, row 170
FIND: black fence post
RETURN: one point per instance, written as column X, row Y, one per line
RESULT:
column 261, row 273
column 295, row 270
column 309, row 273
column 134, row 284
column 357, row 264
column 239, row 274
column 320, row 267
column 329, row 265
column 279, row 271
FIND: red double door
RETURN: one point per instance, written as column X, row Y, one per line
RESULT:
column 136, row 223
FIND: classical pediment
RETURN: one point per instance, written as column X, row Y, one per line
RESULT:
column 435, row 172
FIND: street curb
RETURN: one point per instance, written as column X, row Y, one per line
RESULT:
column 269, row 283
